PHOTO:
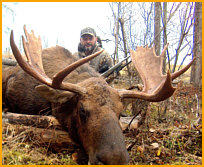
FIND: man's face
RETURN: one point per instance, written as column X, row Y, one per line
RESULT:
column 88, row 42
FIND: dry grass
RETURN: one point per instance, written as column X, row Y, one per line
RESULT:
column 172, row 135
column 21, row 148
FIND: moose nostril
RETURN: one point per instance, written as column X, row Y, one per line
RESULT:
column 98, row 163
column 95, row 161
column 120, row 158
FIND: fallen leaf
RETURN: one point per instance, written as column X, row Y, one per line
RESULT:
column 74, row 156
column 140, row 149
column 152, row 130
column 155, row 145
column 159, row 152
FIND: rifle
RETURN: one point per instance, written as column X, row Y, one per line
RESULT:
column 116, row 68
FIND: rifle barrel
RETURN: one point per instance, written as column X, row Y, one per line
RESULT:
column 112, row 69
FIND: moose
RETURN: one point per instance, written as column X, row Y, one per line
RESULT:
column 82, row 101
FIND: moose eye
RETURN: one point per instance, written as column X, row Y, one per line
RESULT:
column 83, row 114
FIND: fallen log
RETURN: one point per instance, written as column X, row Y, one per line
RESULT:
column 57, row 140
column 41, row 121
column 9, row 62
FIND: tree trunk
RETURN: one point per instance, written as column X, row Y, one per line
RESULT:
column 122, row 22
column 116, row 58
column 196, row 70
column 164, row 33
column 157, row 15
column 125, row 44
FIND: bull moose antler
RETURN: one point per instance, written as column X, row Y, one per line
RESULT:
column 34, row 66
column 157, row 87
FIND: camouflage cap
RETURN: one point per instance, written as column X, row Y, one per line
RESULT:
column 88, row 30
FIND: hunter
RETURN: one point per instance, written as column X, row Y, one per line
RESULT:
column 88, row 45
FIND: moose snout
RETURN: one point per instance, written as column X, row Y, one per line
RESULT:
column 116, row 157
column 110, row 157
column 110, row 148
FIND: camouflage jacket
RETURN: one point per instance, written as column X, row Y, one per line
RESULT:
column 101, row 63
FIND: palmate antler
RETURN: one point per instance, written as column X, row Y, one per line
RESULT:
column 157, row 87
column 34, row 66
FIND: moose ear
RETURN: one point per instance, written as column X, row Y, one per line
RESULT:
column 53, row 95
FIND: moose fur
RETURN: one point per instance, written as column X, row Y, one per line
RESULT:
column 91, row 120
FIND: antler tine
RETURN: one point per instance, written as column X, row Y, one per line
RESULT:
column 33, row 49
column 164, row 50
column 59, row 77
column 162, row 92
column 178, row 73
column 157, row 87
column 29, row 68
